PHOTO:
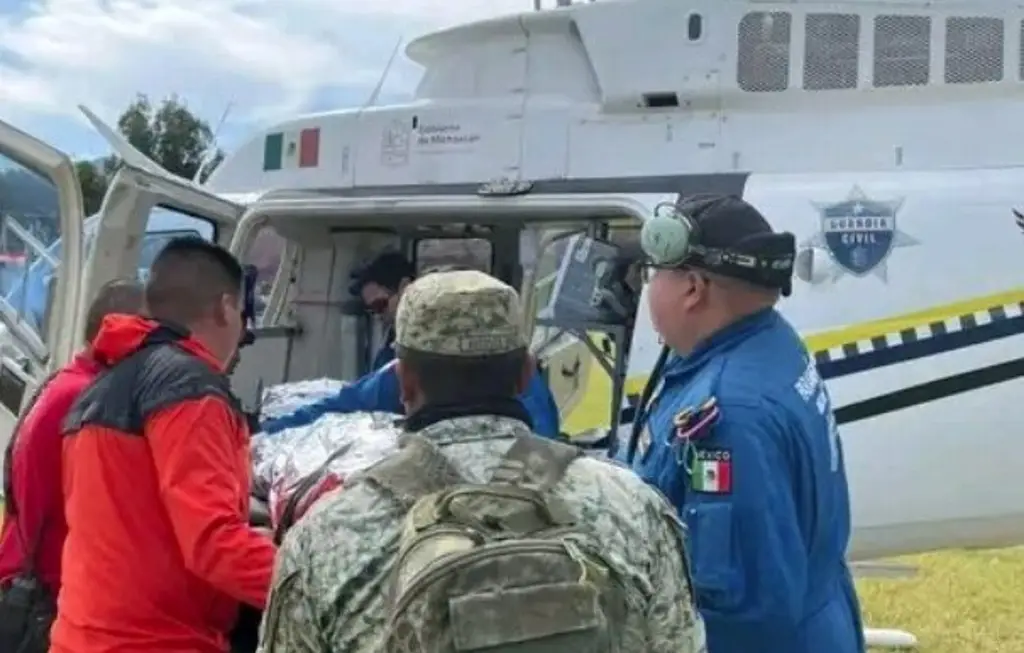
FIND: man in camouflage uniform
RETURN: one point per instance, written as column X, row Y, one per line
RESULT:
column 462, row 360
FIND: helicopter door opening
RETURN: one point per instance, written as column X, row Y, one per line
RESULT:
column 40, row 258
column 585, row 298
column 320, row 330
column 278, row 262
column 165, row 225
column 333, row 235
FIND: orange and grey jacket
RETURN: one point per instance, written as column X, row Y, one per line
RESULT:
column 159, row 554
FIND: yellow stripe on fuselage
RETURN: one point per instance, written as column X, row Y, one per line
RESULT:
column 868, row 330
column 593, row 410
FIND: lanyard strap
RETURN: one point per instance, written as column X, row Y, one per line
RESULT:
column 640, row 416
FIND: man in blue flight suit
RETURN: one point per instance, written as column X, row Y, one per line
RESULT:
column 379, row 391
column 739, row 434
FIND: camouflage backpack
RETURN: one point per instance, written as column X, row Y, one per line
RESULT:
column 499, row 567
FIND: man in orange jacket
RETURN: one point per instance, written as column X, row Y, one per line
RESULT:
column 33, row 528
column 33, row 525
column 159, row 554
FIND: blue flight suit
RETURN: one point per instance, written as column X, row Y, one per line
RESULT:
column 379, row 391
column 386, row 353
column 762, row 489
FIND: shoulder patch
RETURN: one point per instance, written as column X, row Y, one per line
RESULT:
column 711, row 471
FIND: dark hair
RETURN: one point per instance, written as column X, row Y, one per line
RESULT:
column 387, row 270
column 117, row 296
column 463, row 379
column 188, row 276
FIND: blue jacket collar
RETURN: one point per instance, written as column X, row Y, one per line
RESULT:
column 724, row 339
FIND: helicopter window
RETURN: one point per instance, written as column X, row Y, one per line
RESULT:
column 832, row 42
column 694, row 27
column 974, row 50
column 265, row 253
column 30, row 245
column 164, row 225
column 763, row 56
column 475, row 253
column 902, row 50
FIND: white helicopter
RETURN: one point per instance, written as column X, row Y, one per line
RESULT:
column 538, row 143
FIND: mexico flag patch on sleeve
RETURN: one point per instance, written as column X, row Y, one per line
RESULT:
column 712, row 471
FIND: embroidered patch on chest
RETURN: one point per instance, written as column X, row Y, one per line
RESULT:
column 711, row 471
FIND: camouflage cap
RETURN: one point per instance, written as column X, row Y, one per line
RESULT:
column 463, row 313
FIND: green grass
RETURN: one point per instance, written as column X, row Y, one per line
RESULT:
column 959, row 601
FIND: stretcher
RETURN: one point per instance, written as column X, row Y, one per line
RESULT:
column 294, row 467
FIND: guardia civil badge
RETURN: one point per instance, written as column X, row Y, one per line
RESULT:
column 859, row 233
column 711, row 471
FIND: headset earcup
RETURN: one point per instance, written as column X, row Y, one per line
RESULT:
column 665, row 239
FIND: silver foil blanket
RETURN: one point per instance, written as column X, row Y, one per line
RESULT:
column 319, row 457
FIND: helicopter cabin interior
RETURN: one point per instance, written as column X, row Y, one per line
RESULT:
column 576, row 272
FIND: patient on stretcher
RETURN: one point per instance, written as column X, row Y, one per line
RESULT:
column 293, row 467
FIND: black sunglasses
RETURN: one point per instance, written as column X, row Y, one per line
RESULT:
column 378, row 306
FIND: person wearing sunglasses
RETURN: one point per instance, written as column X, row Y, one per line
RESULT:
column 738, row 431
column 379, row 390
column 379, row 284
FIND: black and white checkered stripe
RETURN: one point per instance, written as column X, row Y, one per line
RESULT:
column 919, row 333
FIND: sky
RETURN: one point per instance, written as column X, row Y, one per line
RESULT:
column 268, row 59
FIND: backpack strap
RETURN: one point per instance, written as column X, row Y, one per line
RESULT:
column 417, row 470
column 29, row 543
column 535, row 463
column 9, row 451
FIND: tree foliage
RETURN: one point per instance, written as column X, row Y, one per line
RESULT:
column 93, row 181
column 168, row 133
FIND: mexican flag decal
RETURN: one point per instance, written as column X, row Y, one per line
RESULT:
column 292, row 149
column 712, row 471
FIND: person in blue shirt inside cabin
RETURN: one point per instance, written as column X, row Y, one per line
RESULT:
column 380, row 285
column 739, row 433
